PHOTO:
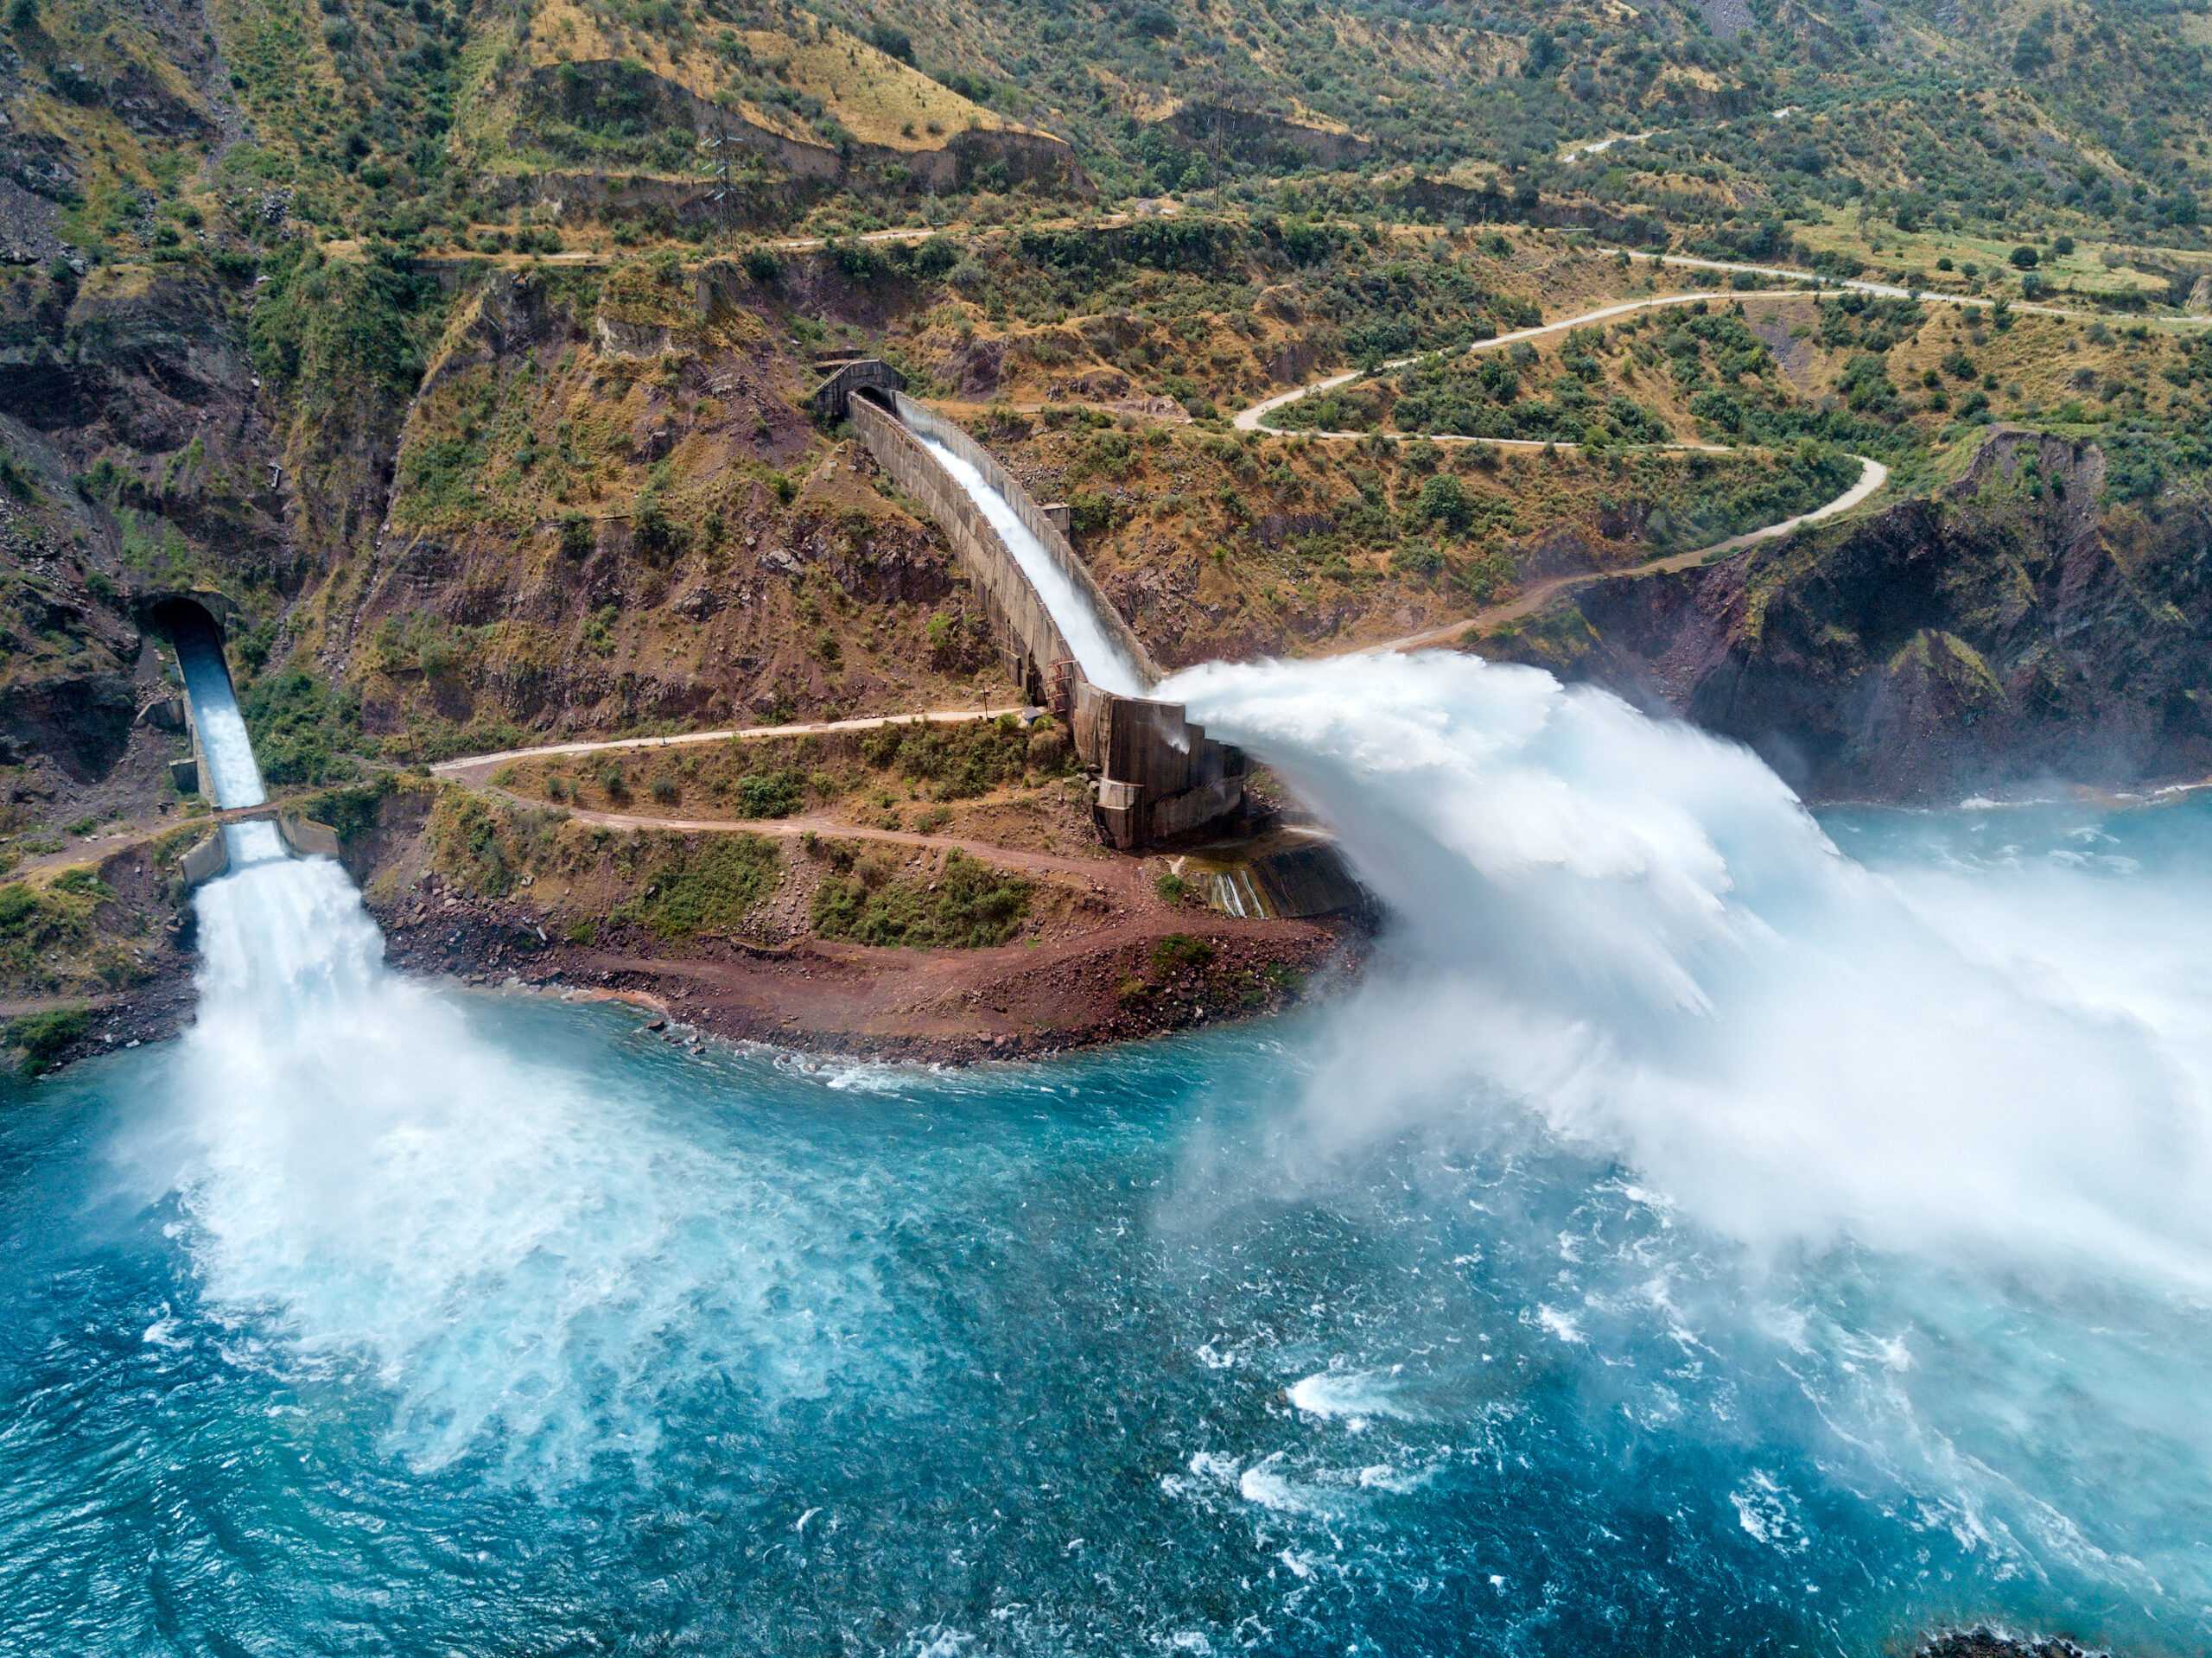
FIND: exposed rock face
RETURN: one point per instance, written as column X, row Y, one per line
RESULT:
column 2013, row 629
column 80, row 720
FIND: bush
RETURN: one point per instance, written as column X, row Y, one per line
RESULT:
column 1179, row 950
column 969, row 905
column 961, row 761
column 43, row 1036
column 770, row 794
column 484, row 846
column 301, row 728
column 2026, row 258
column 710, row 885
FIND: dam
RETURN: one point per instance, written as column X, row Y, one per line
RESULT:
column 1688, row 1224
column 1158, row 776
column 1060, row 639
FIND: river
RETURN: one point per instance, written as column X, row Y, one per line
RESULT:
column 1709, row 1229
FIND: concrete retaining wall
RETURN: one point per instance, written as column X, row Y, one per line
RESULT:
column 209, row 859
column 308, row 839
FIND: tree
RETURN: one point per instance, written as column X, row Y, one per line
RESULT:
column 2026, row 258
column 1444, row 499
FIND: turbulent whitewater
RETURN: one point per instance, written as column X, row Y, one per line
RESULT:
column 1638, row 933
column 1103, row 661
column 1709, row 1229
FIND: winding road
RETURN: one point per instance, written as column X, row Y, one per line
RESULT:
column 477, row 768
column 1872, row 474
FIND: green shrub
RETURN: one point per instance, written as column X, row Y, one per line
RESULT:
column 299, row 727
column 1179, row 950
column 960, row 761
column 969, row 905
column 43, row 1036
column 770, row 794
column 83, row 881
column 710, row 885
column 485, row 846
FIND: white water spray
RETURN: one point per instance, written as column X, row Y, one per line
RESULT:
column 522, row 1265
column 1636, row 932
column 525, row 1267
column 1104, row 662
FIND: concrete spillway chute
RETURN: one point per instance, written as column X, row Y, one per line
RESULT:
column 222, row 767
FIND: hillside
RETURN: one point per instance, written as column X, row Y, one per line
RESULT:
column 465, row 350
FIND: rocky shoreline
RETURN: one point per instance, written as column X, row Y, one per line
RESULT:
column 1132, row 978
column 1135, row 977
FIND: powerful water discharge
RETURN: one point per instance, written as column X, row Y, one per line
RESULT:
column 1103, row 662
column 1706, row 1229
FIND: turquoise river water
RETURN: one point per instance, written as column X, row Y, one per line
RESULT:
column 1707, row 1230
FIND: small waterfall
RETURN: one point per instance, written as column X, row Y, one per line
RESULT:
column 1102, row 659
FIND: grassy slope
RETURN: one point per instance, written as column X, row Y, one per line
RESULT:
column 371, row 130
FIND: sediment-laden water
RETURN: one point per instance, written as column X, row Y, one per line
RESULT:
column 1707, row 1230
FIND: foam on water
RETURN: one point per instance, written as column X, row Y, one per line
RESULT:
column 1636, row 932
column 1688, row 1227
column 523, row 1266
column 1104, row 662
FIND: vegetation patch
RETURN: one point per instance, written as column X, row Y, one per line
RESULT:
column 301, row 728
column 487, row 846
column 778, row 777
column 44, row 1037
column 702, row 884
column 967, row 904
column 38, row 922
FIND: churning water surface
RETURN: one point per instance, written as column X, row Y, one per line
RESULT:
column 1691, row 1239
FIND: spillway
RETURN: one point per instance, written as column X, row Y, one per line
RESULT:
column 1103, row 661
column 235, row 777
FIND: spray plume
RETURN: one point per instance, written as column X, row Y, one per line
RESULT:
column 1636, row 933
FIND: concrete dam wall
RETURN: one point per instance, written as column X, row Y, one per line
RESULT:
column 1157, row 774
column 1030, row 642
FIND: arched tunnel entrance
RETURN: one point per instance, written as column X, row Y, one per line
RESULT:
column 176, row 616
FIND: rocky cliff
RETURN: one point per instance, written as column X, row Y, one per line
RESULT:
column 2016, row 626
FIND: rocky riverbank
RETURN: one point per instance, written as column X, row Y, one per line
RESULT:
column 1128, row 977
column 1090, row 947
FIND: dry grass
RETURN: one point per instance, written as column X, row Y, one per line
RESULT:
column 879, row 100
